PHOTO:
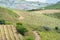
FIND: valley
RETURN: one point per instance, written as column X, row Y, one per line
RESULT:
column 28, row 20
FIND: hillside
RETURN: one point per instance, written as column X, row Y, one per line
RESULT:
column 53, row 6
column 35, row 21
column 54, row 15
column 7, row 15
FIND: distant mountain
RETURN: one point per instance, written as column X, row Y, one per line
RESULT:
column 22, row 5
column 53, row 6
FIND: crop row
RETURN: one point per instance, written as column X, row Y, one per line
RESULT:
column 8, row 32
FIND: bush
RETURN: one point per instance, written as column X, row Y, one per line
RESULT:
column 20, row 28
column 2, row 21
column 56, row 28
column 18, row 23
column 28, row 38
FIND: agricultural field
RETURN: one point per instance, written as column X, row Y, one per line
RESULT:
column 8, row 32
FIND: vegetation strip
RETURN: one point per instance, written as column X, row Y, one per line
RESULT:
column 6, row 32
column 10, row 32
column 15, row 33
column 2, row 33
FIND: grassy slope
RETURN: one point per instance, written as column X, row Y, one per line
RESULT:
column 51, row 35
column 7, row 15
column 36, row 20
column 55, row 15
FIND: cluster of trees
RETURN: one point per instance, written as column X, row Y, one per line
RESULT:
column 20, row 28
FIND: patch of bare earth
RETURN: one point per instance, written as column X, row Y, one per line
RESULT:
column 20, row 14
column 47, row 11
column 37, row 37
column 21, row 18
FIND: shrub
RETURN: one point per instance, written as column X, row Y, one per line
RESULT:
column 2, row 21
column 18, row 23
column 20, row 28
column 56, row 28
column 28, row 38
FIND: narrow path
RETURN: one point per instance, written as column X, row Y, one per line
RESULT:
column 37, row 37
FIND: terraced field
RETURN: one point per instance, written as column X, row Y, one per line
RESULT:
column 8, row 32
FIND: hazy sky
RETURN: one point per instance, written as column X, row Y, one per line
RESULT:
column 37, row 0
column 48, row 1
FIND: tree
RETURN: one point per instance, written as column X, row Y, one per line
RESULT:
column 20, row 28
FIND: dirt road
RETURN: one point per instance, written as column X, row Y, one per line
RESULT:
column 37, row 37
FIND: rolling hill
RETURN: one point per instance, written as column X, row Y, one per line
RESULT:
column 53, row 6
column 7, row 15
column 35, row 20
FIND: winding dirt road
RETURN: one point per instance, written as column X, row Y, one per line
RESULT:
column 37, row 37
